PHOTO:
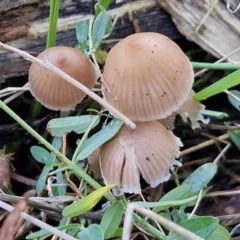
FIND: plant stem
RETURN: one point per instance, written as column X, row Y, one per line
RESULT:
column 58, row 170
column 53, row 18
column 74, row 158
column 216, row 66
column 51, row 42
column 148, row 227
column 175, row 178
column 77, row 171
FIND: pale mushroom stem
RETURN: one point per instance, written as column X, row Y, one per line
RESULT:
column 71, row 80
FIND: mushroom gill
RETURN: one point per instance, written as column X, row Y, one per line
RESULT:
column 191, row 109
column 150, row 150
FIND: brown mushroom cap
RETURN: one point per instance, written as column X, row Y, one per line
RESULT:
column 53, row 91
column 149, row 150
column 148, row 76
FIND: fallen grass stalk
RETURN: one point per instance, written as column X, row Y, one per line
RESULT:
column 216, row 66
column 204, row 144
column 156, row 217
column 218, row 61
column 38, row 223
column 47, row 65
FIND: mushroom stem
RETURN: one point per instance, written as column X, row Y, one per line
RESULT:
column 52, row 68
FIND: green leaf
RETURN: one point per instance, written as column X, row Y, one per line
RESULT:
column 42, row 155
column 201, row 226
column 201, row 177
column 118, row 233
column 215, row 114
column 233, row 100
column 227, row 82
column 85, row 204
column 220, row 233
column 61, row 190
column 100, row 26
column 79, row 124
column 93, row 232
column 101, row 5
column 57, row 142
column 45, row 233
column 42, row 179
column 82, row 33
column 166, row 204
column 178, row 193
column 111, row 219
column 235, row 137
column 99, row 138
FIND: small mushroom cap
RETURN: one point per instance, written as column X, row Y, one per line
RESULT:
column 51, row 90
column 149, row 150
column 147, row 77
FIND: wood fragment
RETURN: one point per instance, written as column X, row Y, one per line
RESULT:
column 25, row 27
column 218, row 34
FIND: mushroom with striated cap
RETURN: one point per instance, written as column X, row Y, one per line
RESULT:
column 147, row 76
column 53, row 91
column 149, row 150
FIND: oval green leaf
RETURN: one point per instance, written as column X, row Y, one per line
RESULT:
column 235, row 137
column 82, row 33
column 99, row 138
column 42, row 179
column 111, row 219
column 100, row 26
column 201, row 226
column 233, row 100
column 93, row 232
column 201, row 177
column 220, row 233
column 85, row 204
column 78, row 124
column 42, row 155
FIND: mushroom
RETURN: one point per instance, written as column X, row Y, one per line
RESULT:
column 147, row 77
column 150, row 150
column 53, row 91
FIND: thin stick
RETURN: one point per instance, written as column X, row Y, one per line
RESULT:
column 232, row 95
column 221, row 153
column 196, row 205
column 38, row 223
column 206, row 16
column 222, row 193
column 204, row 144
column 156, row 217
column 47, row 65
column 218, row 61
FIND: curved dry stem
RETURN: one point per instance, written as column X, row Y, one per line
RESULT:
column 66, row 77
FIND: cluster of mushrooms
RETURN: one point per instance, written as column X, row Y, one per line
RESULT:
column 148, row 78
